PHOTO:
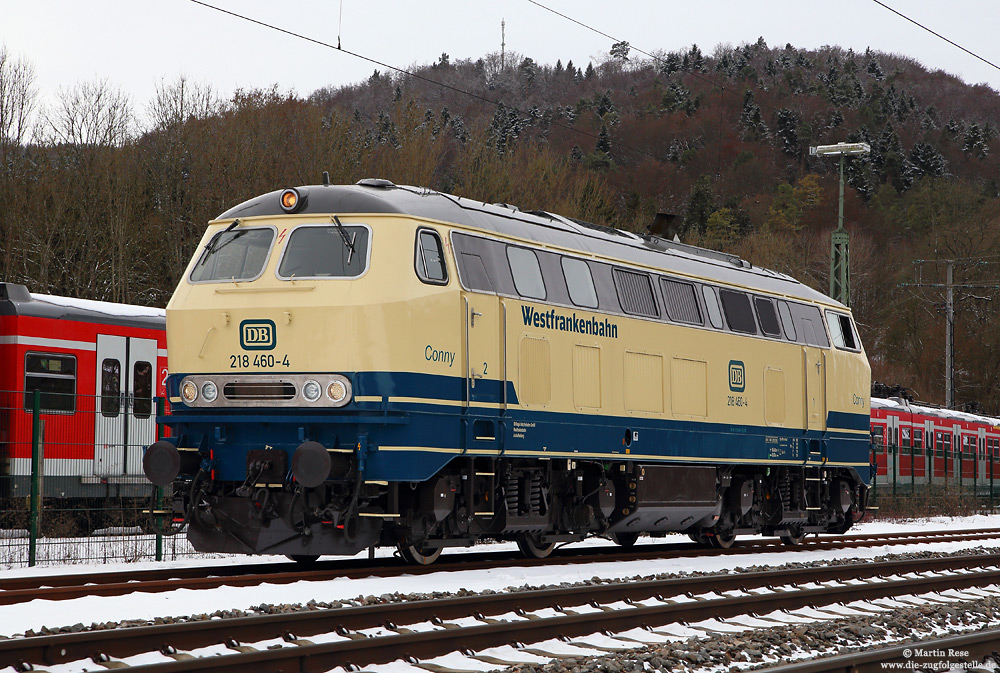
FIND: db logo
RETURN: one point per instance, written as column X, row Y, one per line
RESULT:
column 737, row 376
column 257, row 335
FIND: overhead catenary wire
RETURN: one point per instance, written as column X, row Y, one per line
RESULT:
column 415, row 75
column 722, row 87
column 935, row 33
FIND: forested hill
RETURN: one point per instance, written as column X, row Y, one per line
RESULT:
column 96, row 203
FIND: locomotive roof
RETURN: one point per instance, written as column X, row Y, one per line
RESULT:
column 372, row 196
column 16, row 300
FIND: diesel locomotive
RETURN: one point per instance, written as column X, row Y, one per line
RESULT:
column 374, row 364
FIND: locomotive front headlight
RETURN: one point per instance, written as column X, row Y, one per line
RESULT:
column 189, row 392
column 209, row 391
column 337, row 391
column 311, row 391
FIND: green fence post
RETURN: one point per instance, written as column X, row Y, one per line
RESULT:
column 158, row 502
column 36, row 468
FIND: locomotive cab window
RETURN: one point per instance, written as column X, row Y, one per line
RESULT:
column 325, row 251
column 786, row 320
column 430, row 258
column 681, row 301
column 736, row 306
column 579, row 282
column 54, row 377
column 238, row 254
column 767, row 316
column 527, row 274
column 842, row 331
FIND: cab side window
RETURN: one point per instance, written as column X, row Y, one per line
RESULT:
column 429, row 261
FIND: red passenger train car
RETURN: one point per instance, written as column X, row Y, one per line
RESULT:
column 914, row 444
column 98, row 367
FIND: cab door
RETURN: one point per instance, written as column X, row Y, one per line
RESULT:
column 485, row 376
column 815, row 381
column 125, row 420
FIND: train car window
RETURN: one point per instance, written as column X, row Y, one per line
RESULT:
column 767, row 316
column 712, row 306
column 579, row 282
column 430, row 258
column 739, row 315
column 527, row 274
column 841, row 331
column 635, row 292
column 918, row 438
column 904, row 437
column 239, row 254
column 142, row 389
column 877, row 437
column 681, row 302
column 786, row 320
column 111, row 387
column 325, row 251
column 54, row 377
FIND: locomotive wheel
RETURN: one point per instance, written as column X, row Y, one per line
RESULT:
column 303, row 559
column 415, row 555
column 722, row 540
column 624, row 540
column 700, row 539
column 794, row 537
column 531, row 547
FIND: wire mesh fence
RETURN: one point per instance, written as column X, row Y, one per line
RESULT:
column 72, row 488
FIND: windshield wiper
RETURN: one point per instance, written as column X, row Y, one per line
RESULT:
column 343, row 235
column 214, row 243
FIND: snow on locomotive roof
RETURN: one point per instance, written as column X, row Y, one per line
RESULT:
column 897, row 403
column 106, row 307
column 371, row 196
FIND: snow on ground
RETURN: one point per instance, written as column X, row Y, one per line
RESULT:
column 15, row 619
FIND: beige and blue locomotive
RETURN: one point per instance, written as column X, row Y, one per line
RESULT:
column 373, row 364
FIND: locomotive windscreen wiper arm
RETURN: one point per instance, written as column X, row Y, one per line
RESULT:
column 343, row 235
column 211, row 247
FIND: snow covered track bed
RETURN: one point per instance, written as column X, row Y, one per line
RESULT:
column 15, row 590
column 549, row 623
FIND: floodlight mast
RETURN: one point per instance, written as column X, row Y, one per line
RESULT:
column 840, row 267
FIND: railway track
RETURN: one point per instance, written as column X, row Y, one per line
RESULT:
column 317, row 640
column 62, row 587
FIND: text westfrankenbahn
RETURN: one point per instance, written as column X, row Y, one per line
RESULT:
column 568, row 323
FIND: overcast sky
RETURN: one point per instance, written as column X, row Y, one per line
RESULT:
column 135, row 45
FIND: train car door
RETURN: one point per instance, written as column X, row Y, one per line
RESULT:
column 485, row 377
column 125, row 420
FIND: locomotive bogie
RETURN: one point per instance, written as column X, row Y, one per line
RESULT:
column 498, row 375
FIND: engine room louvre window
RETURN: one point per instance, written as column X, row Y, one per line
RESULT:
column 527, row 274
column 54, row 376
column 239, row 254
column 580, row 282
column 767, row 316
column 325, row 251
column 739, row 315
column 635, row 292
column 681, row 301
column 430, row 258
